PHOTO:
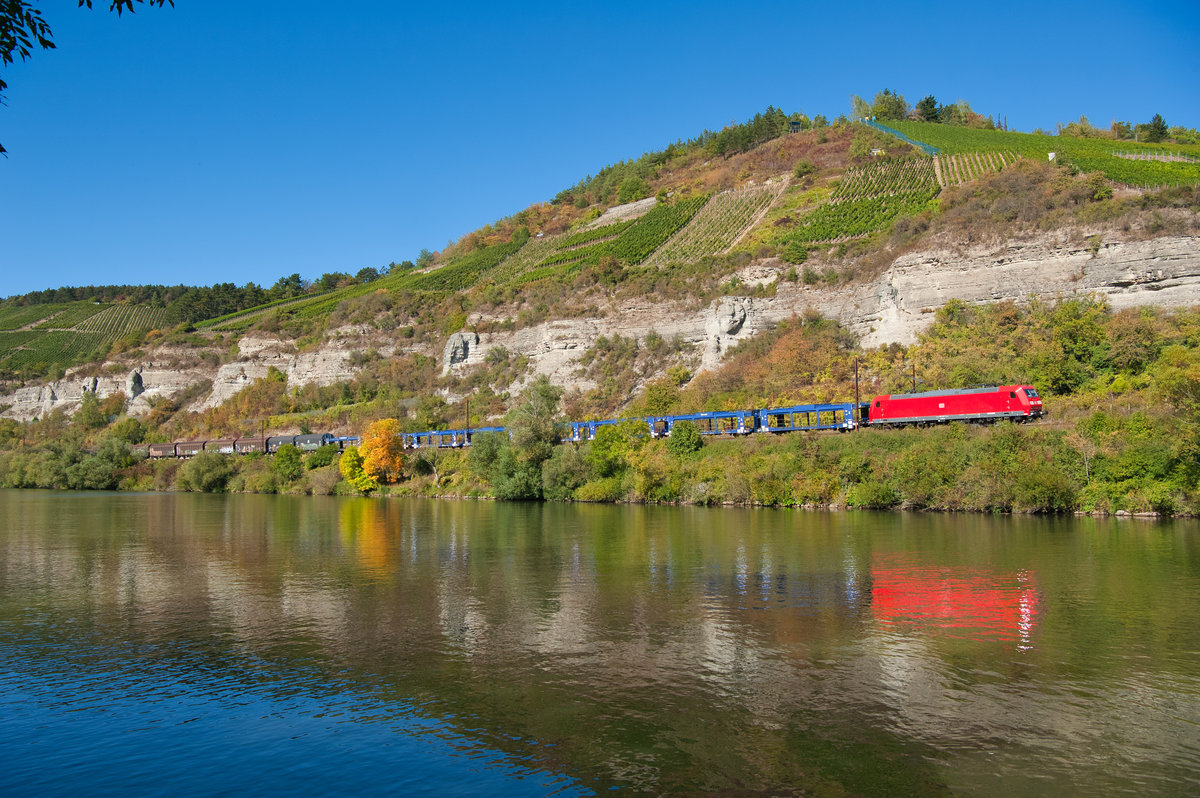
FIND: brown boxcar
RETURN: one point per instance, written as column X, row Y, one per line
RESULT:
column 188, row 448
column 162, row 450
column 250, row 445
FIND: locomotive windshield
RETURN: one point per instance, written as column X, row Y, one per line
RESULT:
column 1031, row 393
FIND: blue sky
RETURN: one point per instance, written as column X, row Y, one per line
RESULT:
column 226, row 141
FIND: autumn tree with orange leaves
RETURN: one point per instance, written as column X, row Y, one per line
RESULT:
column 382, row 450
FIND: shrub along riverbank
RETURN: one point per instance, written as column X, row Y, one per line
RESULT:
column 1123, row 434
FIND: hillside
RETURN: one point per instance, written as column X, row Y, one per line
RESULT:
column 750, row 191
column 653, row 270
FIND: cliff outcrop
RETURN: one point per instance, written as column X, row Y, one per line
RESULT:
column 897, row 306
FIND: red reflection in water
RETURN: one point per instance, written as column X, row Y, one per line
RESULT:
column 969, row 603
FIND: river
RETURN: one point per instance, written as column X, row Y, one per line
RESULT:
column 159, row 643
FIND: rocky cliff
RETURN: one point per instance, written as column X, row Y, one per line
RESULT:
column 895, row 307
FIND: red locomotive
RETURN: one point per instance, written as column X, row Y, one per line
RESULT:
column 992, row 403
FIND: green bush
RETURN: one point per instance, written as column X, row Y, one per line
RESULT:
column 632, row 189
column 514, row 479
column 872, row 496
column 207, row 472
column 606, row 489
column 685, row 438
column 286, row 463
column 565, row 472
column 1044, row 489
column 796, row 253
column 803, row 169
column 321, row 457
column 254, row 476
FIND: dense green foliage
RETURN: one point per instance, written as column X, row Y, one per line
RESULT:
column 182, row 303
column 768, row 125
column 287, row 463
column 512, row 463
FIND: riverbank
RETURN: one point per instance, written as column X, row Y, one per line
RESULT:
column 1105, row 464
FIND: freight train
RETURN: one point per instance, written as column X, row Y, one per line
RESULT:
column 259, row 445
column 982, row 405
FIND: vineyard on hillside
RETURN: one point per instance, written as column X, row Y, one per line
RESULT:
column 73, row 314
column 887, row 178
column 1088, row 154
column 634, row 243
column 56, row 348
column 41, row 338
column 117, row 320
column 953, row 170
column 866, row 200
column 459, row 273
column 719, row 224
column 853, row 218
column 463, row 272
column 594, row 234
column 14, row 317
column 241, row 319
column 525, row 259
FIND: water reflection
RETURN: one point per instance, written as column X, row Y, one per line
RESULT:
column 659, row 649
column 972, row 604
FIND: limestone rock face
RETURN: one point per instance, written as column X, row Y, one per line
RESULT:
column 258, row 354
column 729, row 315
column 133, row 384
column 1162, row 271
column 38, row 400
column 727, row 318
column 458, row 349
column 897, row 306
column 162, row 375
